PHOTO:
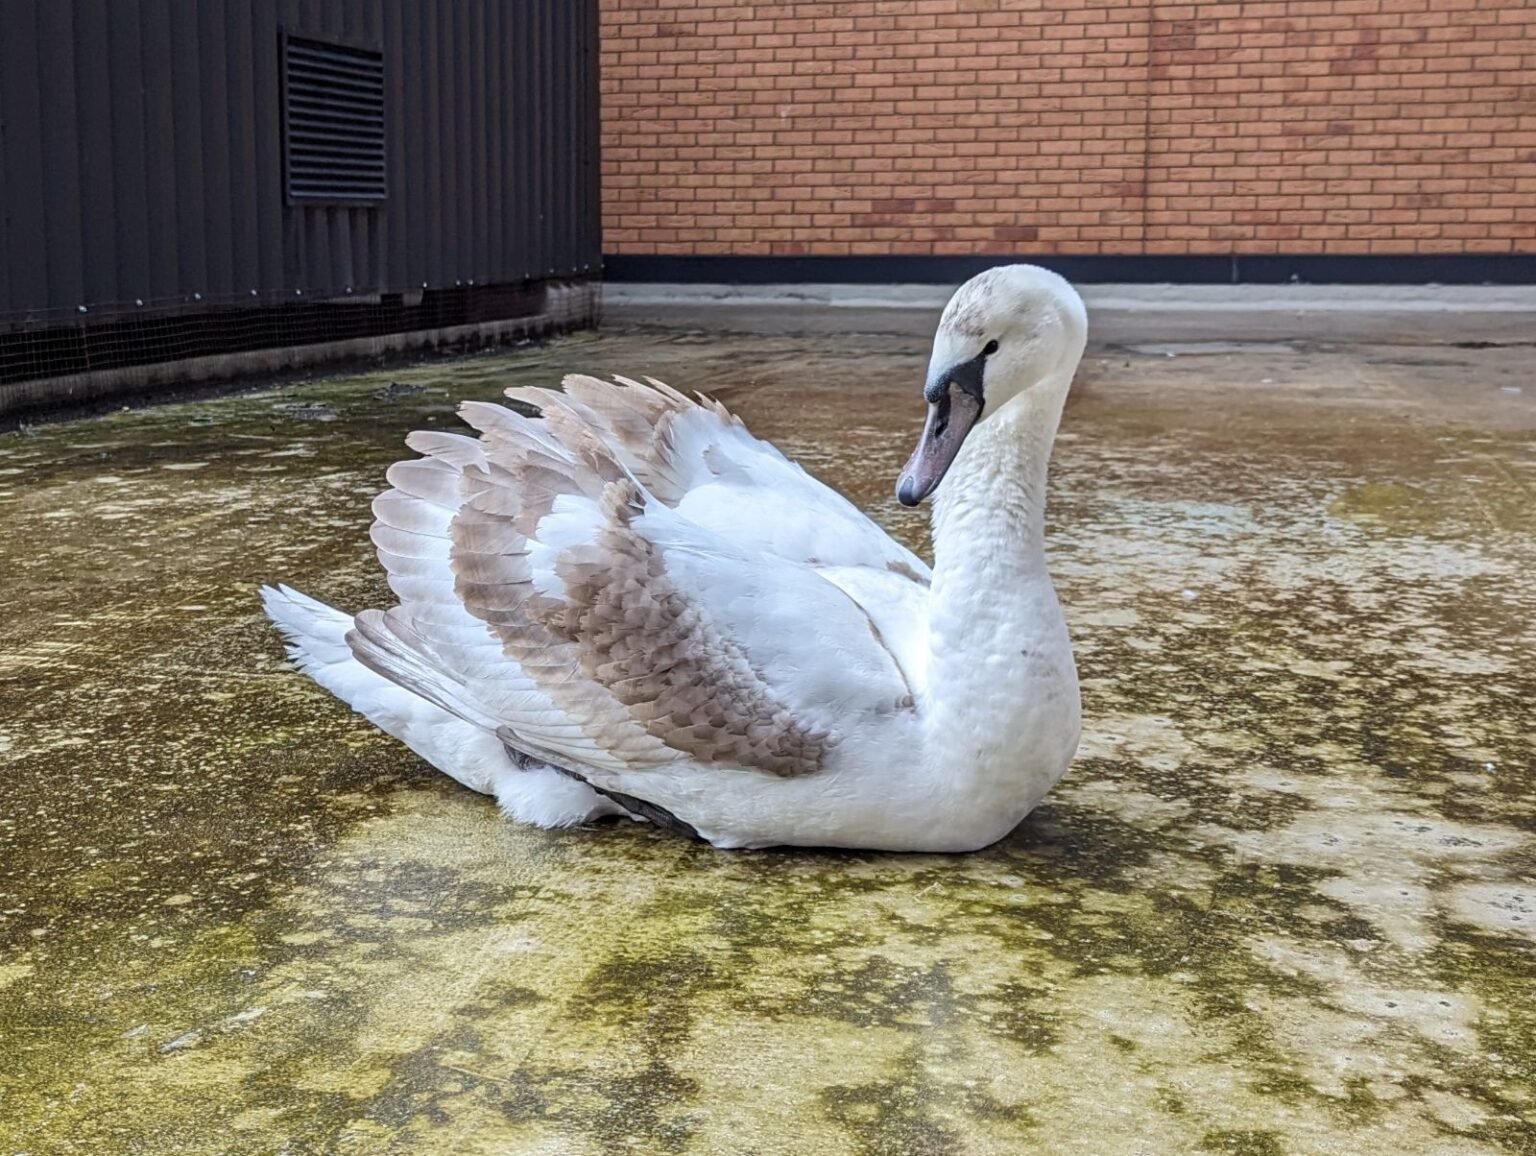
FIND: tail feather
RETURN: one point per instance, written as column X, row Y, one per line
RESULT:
column 317, row 638
column 316, row 633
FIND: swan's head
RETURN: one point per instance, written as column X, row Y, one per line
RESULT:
column 1013, row 331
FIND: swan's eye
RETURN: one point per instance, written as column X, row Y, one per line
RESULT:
column 990, row 348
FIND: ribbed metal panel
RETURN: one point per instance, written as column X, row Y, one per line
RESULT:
column 143, row 166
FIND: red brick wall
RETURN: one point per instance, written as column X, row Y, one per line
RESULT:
column 1069, row 126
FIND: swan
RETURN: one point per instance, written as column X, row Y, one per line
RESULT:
column 630, row 606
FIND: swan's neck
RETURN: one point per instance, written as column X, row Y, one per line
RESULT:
column 989, row 515
column 1002, row 702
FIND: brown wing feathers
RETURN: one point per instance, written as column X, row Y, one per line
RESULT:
column 617, row 644
column 623, row 652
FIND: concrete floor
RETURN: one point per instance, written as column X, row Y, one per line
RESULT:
column 1284, row 903
column 1362, row 314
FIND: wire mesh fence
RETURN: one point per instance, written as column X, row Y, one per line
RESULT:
column 43, row 366
column 97, row 343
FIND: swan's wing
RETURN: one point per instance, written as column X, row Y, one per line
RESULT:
column 622, row 635
column 698, row 458
column 430, row 643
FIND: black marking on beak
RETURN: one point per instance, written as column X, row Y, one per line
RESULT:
column 967, row 375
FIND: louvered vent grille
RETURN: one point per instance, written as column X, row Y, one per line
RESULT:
column 333, row 108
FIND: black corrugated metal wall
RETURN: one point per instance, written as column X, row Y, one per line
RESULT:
column 141, row 153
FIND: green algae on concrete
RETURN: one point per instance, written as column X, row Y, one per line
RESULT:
column 1284, row 902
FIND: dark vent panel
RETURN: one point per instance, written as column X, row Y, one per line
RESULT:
column 333, row 118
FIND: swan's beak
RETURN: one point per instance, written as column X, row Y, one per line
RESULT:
column 952, row 411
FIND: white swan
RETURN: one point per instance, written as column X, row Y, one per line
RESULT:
column 633, row 606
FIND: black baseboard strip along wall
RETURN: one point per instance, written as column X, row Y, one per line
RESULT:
column 1103, row 268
